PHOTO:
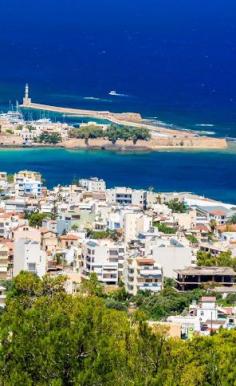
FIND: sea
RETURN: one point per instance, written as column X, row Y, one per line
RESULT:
column 172, row 61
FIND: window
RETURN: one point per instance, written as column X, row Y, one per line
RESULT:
column 31, row 267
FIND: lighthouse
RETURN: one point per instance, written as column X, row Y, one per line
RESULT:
column 26, row 99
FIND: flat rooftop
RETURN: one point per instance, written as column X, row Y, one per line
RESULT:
column 206, row 271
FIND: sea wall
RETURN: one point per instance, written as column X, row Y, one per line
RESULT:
column 153, row 144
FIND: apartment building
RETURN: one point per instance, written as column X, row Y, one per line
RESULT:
column 105, row 258
column 172, row 254
column 27, row 174
column 135, row 223
column 93, row 184
column 127, row 196
column 28, row 256
column 8, row 222
column 142, row 274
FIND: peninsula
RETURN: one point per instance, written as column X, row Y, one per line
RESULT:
column 161, row 137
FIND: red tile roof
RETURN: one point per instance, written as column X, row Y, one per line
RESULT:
column 69, row 237
column 145, row 261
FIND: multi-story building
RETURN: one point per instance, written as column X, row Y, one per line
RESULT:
column 9, row 222
column 27, row 174
column 28, row 256
column 28, row 187
column 142, row 274
column 172, row 254
column 127, row 196
column 93, row 184
column 135, row 223
column 3, row 261
column 195, row 277
column 26, row 232
column 17, row 205
column 105, row 258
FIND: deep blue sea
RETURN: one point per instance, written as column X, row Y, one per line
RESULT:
column 174, row 61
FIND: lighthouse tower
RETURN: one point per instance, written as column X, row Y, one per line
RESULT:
column 26, row 99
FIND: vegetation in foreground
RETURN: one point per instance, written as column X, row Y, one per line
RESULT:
column 51, row 338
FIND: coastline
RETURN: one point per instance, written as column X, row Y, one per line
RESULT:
column 162, row 137
column 202, row 143
column 151, row 145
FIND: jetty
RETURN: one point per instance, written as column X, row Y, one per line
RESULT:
column 126, row 118
column 161, row 136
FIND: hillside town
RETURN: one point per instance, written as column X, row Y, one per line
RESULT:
column 138, row 239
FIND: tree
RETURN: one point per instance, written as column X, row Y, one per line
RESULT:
column 205, row 259
column 140, row 134
column 223, row 259
column 116, row 132
column 86, row 133
column 92, row 286
column 193, row 240
column 59, row 339
column 28, row 285
column 177, row 206
column 232, row 220
column 165, row 228
column 74, row 227
column 51, row 138
column 36, row 219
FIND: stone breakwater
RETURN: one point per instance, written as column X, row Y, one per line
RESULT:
column 162, row 137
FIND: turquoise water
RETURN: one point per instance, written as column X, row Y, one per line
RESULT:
column 212, row 174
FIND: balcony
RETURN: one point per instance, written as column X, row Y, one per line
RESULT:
column 154, row 287
column 150, row 272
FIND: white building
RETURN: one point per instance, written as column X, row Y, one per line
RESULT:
column 127, row 196
column 15, row 205
column 28, row 187
column 105, row 258
column 28, row 174
column 134, row 224
column 171, row 254
column 206, row 310
column 9, row 222
column 142, row 274
column 28, row 256
column 93, row 184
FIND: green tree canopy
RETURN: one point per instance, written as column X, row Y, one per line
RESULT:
column 36, row 218
column 223, row 259
column 59, row 339
column 51, row 138
column 177, row 206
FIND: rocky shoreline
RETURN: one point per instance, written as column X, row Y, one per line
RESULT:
column 188, row 143
column 202, row 143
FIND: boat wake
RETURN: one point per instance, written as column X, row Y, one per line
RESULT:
column 204, row 125
column 116, row 94
column 96, row 99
